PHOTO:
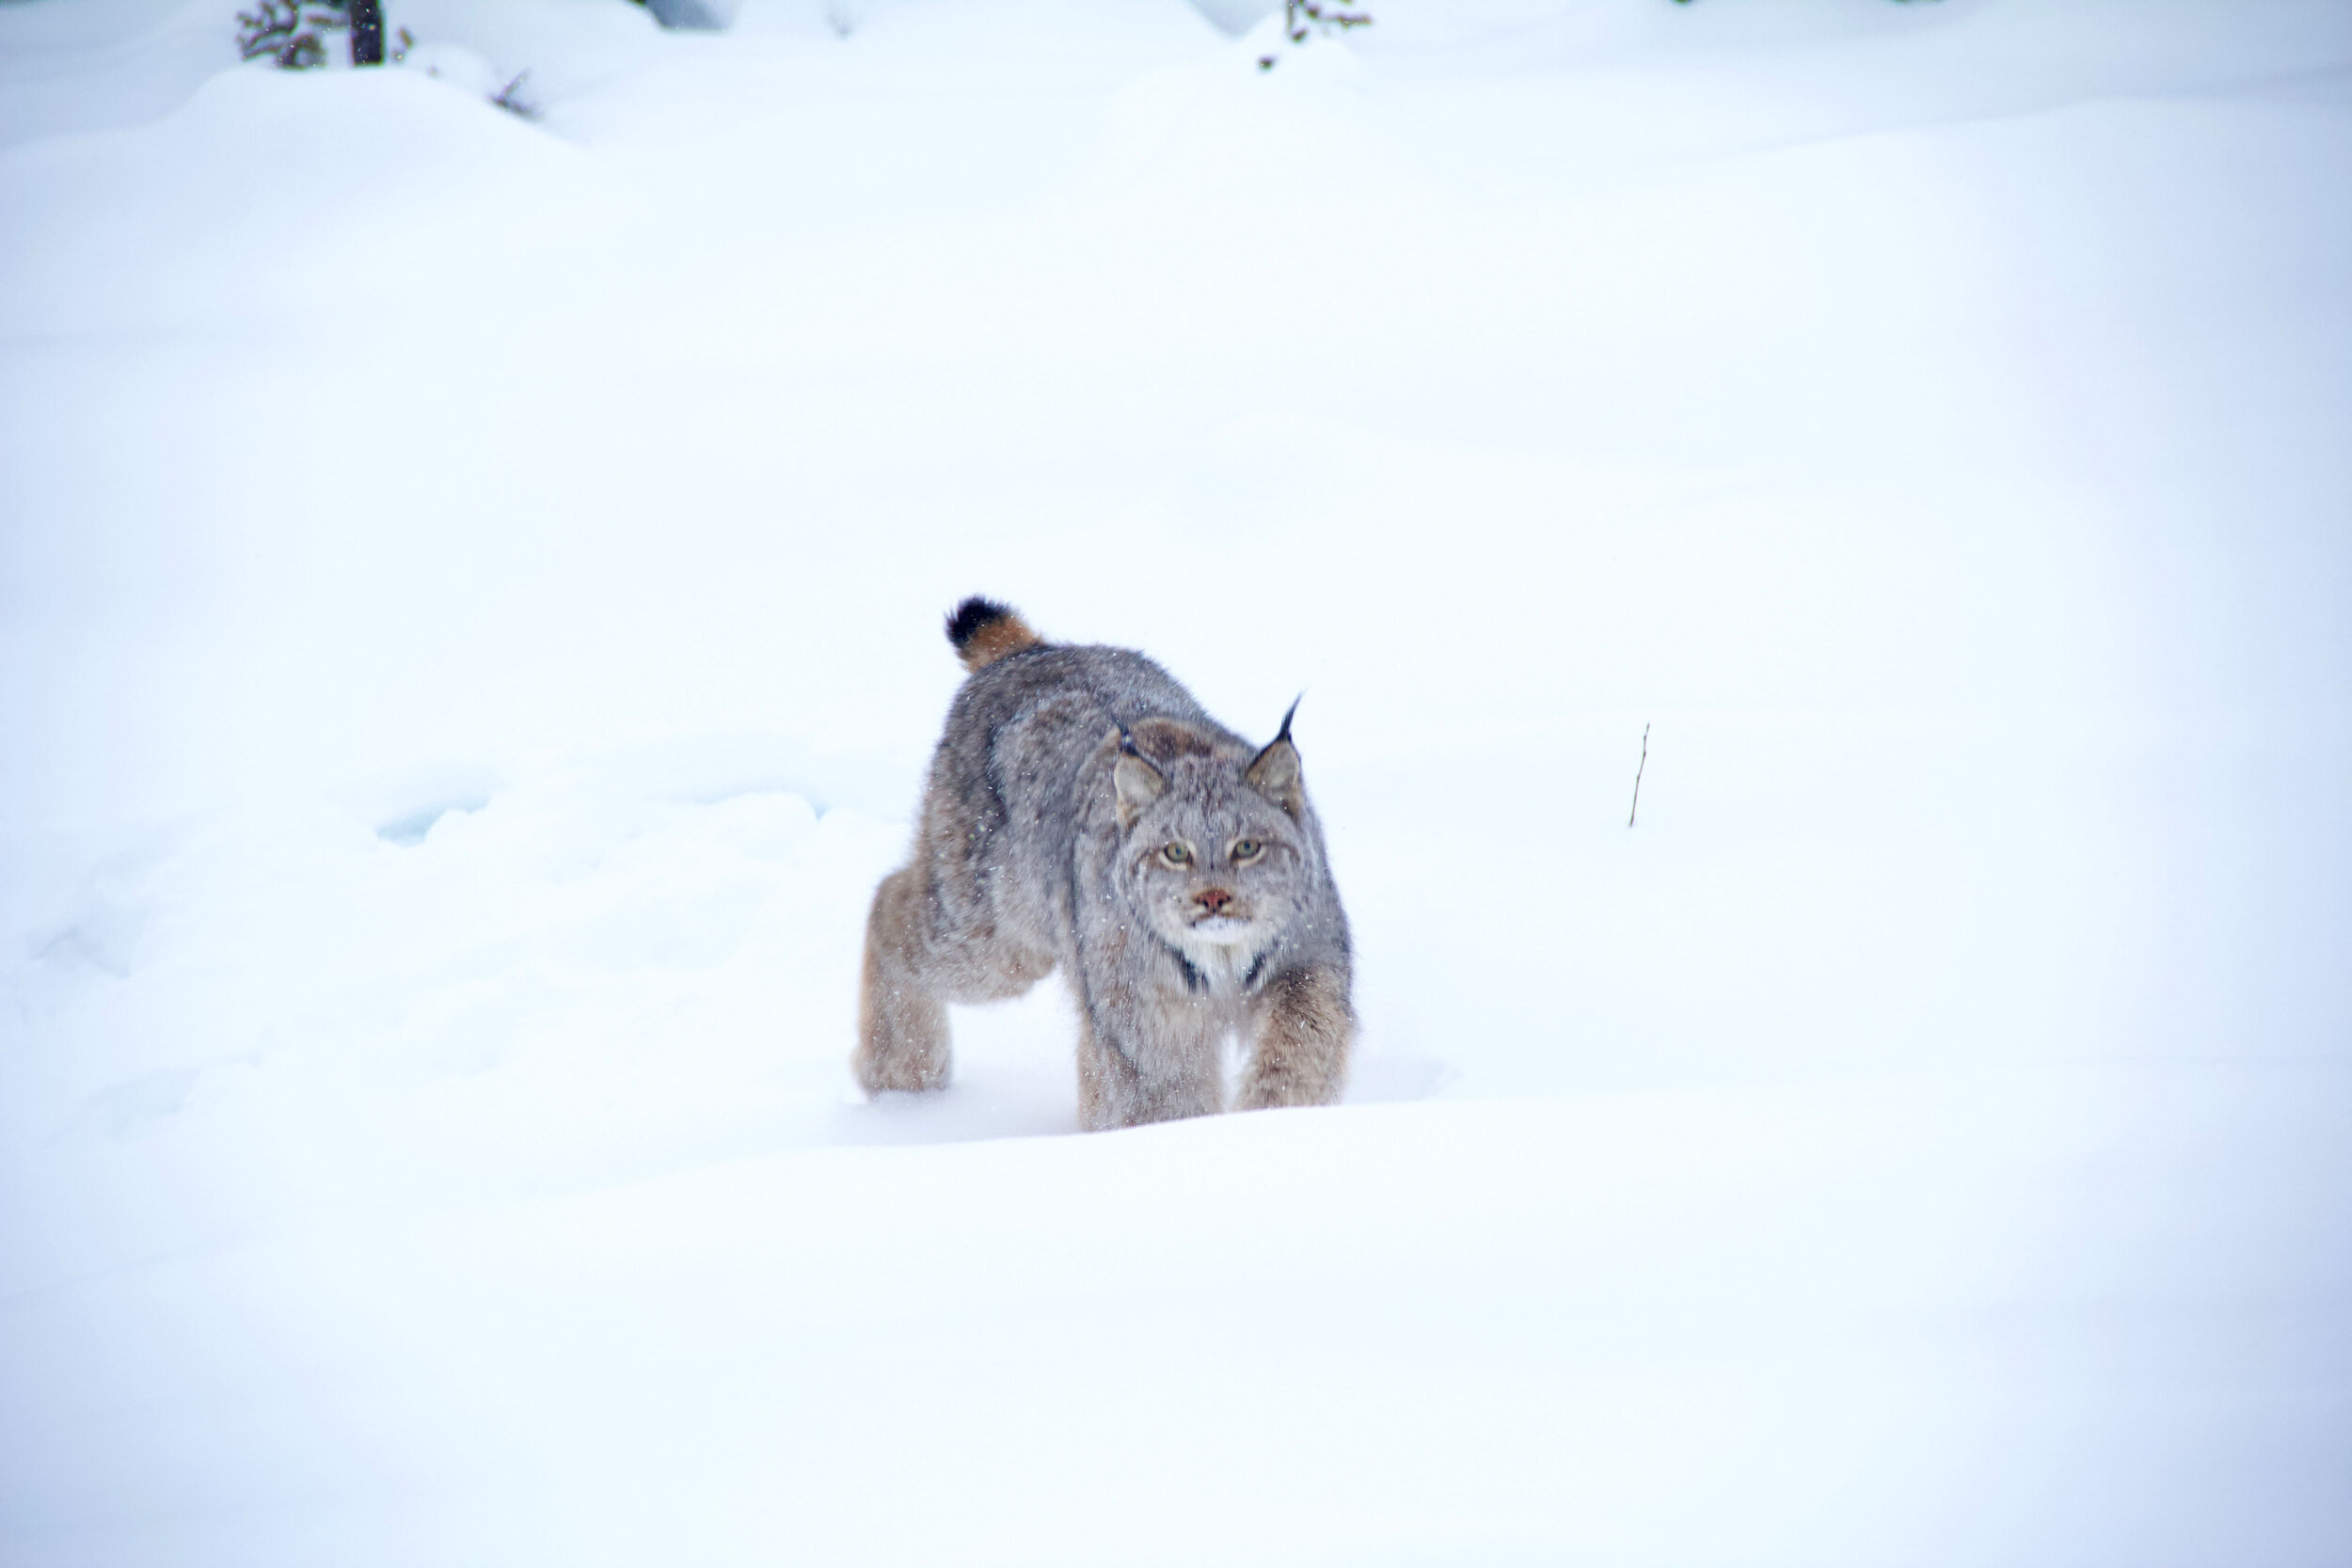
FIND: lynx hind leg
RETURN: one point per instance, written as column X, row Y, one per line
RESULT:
column 1301, row 1036
column 902, row 1028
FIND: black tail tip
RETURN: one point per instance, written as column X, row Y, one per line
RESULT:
column 970, row 618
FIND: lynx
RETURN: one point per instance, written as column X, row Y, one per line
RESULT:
column 1083, row 814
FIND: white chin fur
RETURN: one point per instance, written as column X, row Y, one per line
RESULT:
column 1220, row 930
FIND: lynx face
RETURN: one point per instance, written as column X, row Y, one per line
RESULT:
column 1209, row 858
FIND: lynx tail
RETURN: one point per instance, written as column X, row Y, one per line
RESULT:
column 985, row 631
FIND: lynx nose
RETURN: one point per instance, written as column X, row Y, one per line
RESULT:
column 1213, row 900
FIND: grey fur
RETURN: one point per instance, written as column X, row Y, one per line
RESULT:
column 1061, row 776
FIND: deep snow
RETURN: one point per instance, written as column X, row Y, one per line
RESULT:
column 468, row 643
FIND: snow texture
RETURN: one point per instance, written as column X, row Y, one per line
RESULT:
column 469, row 597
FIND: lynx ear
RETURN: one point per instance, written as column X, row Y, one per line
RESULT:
column 1275, row 773
column 1138, row 782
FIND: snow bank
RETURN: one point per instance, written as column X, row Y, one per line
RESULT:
column 1968, row 1323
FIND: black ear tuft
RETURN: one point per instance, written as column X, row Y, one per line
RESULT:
column 1284, row 732
column 970, row 618
column 1275, row 772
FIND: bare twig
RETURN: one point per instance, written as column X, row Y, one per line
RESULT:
column 511, row 99
column 1319, row 15
column 1637, row 778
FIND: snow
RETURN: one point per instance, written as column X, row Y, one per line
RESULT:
column 468, row 646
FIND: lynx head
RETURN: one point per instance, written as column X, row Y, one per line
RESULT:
column 1214, row 849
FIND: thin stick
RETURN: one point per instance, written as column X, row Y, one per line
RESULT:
column 1637, row 778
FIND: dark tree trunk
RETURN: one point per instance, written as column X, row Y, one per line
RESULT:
column 367, row 32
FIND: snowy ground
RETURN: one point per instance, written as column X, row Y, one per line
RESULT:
column 468, row 643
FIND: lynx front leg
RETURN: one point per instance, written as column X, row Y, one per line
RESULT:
column 1302, row 1028
column 902, row 1028
column 1111, row 1092
column 1166, row 1073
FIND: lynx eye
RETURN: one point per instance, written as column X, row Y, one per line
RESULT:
column 1246, row 850
column 1176, row 854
